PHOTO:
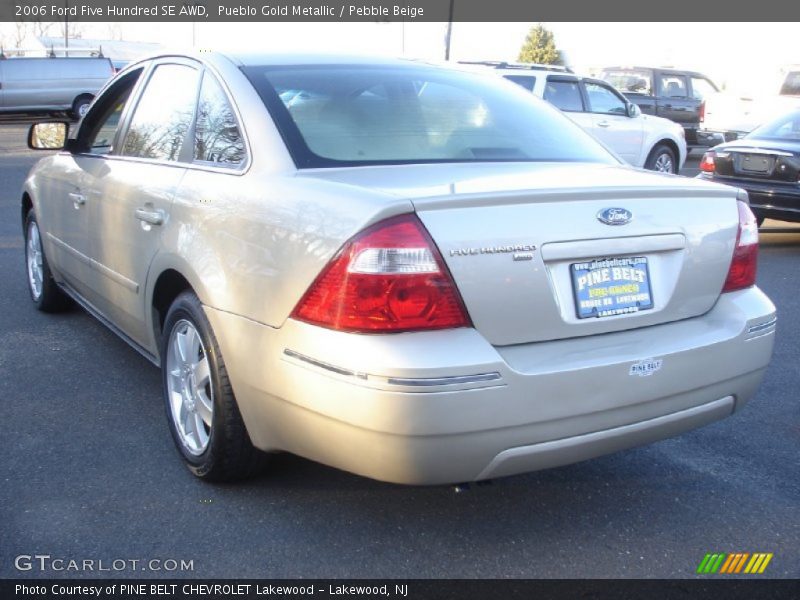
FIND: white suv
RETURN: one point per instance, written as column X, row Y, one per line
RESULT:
column 643, row 141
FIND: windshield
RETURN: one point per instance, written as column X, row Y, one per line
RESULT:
column 340, row 115
column 785, row 127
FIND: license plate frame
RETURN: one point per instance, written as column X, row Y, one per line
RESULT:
column 609, row 287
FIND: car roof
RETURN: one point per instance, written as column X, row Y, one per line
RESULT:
column 663, row 69
column 250, row 58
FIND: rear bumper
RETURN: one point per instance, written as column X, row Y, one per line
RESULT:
column 443, row 407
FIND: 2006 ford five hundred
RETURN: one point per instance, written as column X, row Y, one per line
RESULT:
column 415, row 273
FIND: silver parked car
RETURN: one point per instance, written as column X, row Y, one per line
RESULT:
column 52, row 84
column 413, row 273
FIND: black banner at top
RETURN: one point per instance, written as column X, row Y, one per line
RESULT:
column 393, row 10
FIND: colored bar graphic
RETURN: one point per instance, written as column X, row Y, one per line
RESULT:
column 726, row 567
column 718, row 564
column 741, row 562
column 766, row 562
column 730, row 564
column 702, row 567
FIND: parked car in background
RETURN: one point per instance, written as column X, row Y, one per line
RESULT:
column 407, row 271
column 51, row 84
column 673, row 94
column 641, row 140
column 766, row 163
column 729, row 116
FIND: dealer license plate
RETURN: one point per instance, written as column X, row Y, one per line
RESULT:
column 611, row 286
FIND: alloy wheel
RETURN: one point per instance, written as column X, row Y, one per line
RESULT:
column 189, row 387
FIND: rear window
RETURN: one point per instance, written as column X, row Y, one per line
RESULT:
column 630, row 80
column 791, row 85
column 785, row 127
column 338, row 115
column 524, row 81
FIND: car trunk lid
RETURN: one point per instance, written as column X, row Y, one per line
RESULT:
column 518, row 238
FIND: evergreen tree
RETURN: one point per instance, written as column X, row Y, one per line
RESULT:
column 540, row 47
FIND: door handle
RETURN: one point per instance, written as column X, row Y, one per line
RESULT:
column 78, row 199
column 603, row 124
column 149, row 215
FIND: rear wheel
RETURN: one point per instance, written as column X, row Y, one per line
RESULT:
column 80, row 106
column 662, row 159
column 45, row 293
column 203, row 416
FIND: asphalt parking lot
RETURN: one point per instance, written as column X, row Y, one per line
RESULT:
column 89, row 472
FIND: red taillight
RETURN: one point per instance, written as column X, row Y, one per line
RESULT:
column 742, row 273
column 388, row 278
column 707, row 164
column 703, row 111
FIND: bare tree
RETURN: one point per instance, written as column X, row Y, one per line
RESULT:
column 75, row 30
column 114, row 31
column 20, row 34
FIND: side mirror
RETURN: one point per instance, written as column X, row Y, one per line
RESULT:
column 634, row 110
column 48, row 136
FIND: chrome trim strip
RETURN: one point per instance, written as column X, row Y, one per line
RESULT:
column 90, row 262
column 762, row 326
column 323, row 365
column 89, row 307
column 401, row 381
column 452, row 380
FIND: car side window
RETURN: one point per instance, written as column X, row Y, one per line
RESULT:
column 565, row 95
column 672, row 86
column 603, row 100
column 164, row 114
column 217, row 138
column 525, row 81
column 100, row 125
column 702, row 88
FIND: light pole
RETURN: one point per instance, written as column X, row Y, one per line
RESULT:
column 449, row 31
column 66, row 27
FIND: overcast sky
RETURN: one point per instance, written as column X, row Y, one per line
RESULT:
column 733, row 53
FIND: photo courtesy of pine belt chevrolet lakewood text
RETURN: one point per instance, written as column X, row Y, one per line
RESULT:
column 418, row 273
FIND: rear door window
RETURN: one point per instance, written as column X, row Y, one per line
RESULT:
column 565, row 95
column 164, row 114
column 672, row 86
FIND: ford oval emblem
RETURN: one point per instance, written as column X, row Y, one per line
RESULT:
column 615, row 216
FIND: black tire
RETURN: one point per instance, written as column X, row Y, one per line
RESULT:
column 659, row 157
column 49, row 298
column 229, row 454
column 80, row 105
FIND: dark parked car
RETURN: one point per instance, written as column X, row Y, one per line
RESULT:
column 766, row 163
column 670, row 93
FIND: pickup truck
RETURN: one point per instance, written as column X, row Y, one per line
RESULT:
column 729, row 116
column 674, row 94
